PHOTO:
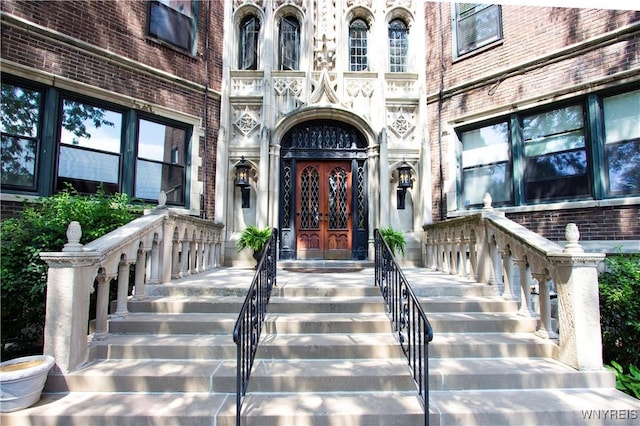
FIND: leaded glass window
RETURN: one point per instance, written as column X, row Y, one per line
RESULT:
column 289, row 43
column 398, row 46
column 358, row 47
column 248, row 49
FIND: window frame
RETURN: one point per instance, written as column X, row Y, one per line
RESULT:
column 166, row 35
column 458, row 20
column 285, row 64
column 37, row 140
column 50, row 122
column 249, row 58
column 398, row 62
column 593, row 128
column 358, row 52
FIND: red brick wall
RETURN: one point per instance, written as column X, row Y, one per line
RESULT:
column 119, row 26
column 529, row 33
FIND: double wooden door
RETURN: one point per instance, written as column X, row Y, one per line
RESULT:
column 323, row 210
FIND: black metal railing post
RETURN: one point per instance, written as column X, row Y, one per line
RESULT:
column 408, row 319
column 246, row 333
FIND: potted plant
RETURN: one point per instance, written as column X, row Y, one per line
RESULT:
column 394, row 239
column 22, row 380
column 255, row 239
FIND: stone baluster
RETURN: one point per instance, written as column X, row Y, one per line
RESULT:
column 141, row 274
column 175, row 259
column 473, row 260
column 507, row 262
column 455, row 253
column 495, row 272
column 525, row 287
column 154, row 263
column 103, row 282
column 193, row 257
column 123, row 288
column 545, row 330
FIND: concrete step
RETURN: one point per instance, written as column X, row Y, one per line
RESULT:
column 348, row 409
column 511, row 373
column 163, row 346
column 490, row 345
column 187, row 304
column 150, row 323
column 433, row 305
column 343, row 375
column 328, row 304
column 481, row 322
column 148, row 375
column 533, row 407
column 310, row 323
column 110, row 409
column 328, row 346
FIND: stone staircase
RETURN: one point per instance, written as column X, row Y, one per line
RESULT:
column 327, row 357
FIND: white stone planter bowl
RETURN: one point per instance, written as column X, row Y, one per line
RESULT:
column 22, row 380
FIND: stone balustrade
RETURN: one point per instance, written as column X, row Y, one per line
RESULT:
column 489, row 248
column 160, row 246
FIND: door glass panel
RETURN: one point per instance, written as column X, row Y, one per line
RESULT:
column 309, row 187
column 338, row 198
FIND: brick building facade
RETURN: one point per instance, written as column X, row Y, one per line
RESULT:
column 542, row 63
column 114, row 57
column 538, row 106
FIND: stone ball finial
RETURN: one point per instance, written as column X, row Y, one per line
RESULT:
column 74, row 233
column 572, row 235
column 486, row 201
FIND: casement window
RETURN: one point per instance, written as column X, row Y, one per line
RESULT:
column 174, row 22
column 486, row 158
column 52, row 139
column 20, row 125
column 160, row 165
column 555, row 154
column 588, row 149
column 289, row 43
column 90, row 148
column 249, row 33
column 475, row 25
column 398, row 46
column 358, row 46
column 621, row 116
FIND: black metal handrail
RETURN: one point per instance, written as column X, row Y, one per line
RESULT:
column 407, row 317
column 246, row 333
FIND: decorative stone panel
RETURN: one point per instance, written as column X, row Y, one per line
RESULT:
column 287, row 92
column 359, row 93
column 401, row 120
column 246, row 119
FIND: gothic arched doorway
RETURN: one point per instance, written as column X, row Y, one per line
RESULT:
column 323, row 187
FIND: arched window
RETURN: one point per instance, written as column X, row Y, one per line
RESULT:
column 289, row 43
column 358, row 30
column 398, row 46
column 248, row 49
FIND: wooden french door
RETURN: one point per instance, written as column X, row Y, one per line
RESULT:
column 323, row 210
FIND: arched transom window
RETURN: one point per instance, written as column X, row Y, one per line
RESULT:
column 398, row 46
column 358, row 46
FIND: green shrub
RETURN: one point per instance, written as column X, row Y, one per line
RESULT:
column 394, row 239
column 620, row 309
column 628, row 383
column 42, row 227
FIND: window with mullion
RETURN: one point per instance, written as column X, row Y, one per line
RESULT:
column 20, row 124
column 289, row 43
column 161, row 161
column 476, row 25
column 398, row 46
column 248, row 49
column 90, row 148
column 622, row 143
column 555, row 155
column 358, row 32
column 174, row 22
column 486, row 164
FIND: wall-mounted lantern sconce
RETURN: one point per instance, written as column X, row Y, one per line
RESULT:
column 242, row 181
column 404, row 182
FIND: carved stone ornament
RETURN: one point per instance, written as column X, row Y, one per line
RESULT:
column 74, row 233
